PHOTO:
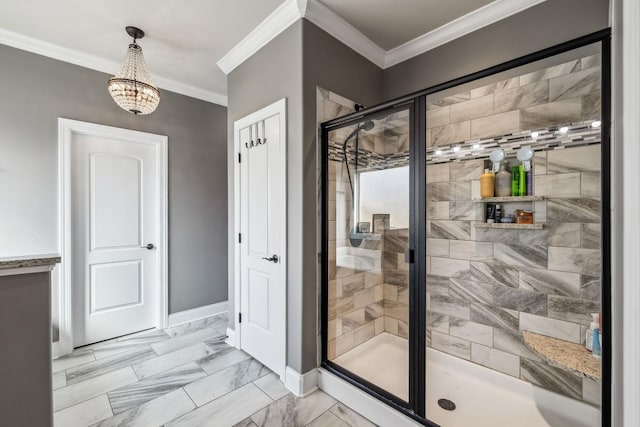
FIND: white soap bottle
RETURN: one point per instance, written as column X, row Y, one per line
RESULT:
column 595, row 323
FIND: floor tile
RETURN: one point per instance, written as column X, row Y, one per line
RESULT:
column 328, row 420
column 108, row 364
column 227, row 410
column 59, row 380
column 182, row 341
column 216, row 363
column 350, row 416
column 215, row 322
column 153, row 413
column 76, row 393
column 272, row 385
column 150, row 388
column 293, row 411
column 222, row 382
column 84, row 414
column 171, row 360
column 129, row 343
column 246, row 423
column 74, row 359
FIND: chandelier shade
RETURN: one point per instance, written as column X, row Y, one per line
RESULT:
column 132, row 88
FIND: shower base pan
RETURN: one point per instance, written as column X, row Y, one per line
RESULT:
column 483, row 397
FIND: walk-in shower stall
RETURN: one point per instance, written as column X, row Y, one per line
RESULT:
column 453, row 305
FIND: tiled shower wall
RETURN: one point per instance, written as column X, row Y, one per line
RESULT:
column 486, row 286
column 368, row 285
column 565, row 93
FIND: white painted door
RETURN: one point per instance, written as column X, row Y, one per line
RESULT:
column 263, row 239
column 114, row 208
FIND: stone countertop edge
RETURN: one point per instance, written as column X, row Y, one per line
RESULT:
column 565, row 355
column 28, row 261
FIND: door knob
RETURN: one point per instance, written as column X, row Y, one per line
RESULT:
column 149, row 246
column 273, row 259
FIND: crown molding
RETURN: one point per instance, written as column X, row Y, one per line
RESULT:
column 96, row 63
column 274, row 24
column 333, row 24
column 479, row 18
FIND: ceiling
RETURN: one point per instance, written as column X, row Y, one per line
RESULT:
column 185, row 40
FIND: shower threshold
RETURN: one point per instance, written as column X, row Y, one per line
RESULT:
column 483, row 397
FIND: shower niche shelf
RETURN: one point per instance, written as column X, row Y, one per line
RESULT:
column 506, row 200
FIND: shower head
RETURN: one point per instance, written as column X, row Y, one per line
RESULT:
column 365, row 126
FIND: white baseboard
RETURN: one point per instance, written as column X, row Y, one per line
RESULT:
column 55, row 350
column 231, row 338
column 197, row 313
column 361, row 402
column 301, row 384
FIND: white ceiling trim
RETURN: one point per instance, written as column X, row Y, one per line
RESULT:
column 292, row 10
column 75, row 57
column 274, row 24
column 333, row 24
column 479, row 18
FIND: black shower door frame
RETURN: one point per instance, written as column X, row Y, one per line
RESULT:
column 416, row 104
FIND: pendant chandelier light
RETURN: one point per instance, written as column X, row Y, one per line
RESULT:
column 132, row 88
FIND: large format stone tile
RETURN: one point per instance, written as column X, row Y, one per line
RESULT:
column 575, row 159
column 76, row 393
column 574, row 210
column 136, row 394
column 293, row 411
column 523, row 96
column 108, row 364
column 495, row 87
column 494, row 272
column 572, row 309
column 522, row 300
column 226, row 410
column 472, row 109
column 452, row 345
column 153, row 413
column 558, row 186
column 512, row 342
column 550, row 282
column 452, row 230
column 83, row 414
column 575, row 84
column 472, row 291
column 471, row 331
column 470, row 250
column 494, row 316
column 551, row 114
column 521, row 255
column 574, row 260
column 551, row 327
column 495, row 359
column 550, row 72
column 496, row 125
column 448, row 134
column 550, row 378
column 225, row 381
column 451, row 306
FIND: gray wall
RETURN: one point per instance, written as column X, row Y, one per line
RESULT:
column 281, row 70
column 272, row 73
column 343, row 71
column 36, row 91
column 542, row 26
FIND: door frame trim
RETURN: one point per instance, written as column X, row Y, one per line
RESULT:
column 278, row 107
column 66, row 129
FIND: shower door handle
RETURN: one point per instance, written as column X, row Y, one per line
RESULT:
column 408, row 256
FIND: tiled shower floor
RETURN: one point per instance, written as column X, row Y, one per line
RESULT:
column 182, row 376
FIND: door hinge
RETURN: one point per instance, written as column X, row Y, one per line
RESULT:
column 239, row 158
column 239, row 317
column 239, row 237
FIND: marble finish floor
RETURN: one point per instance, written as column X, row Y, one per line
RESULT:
column 182, row 376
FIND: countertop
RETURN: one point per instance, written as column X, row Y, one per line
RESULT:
column 566, row 355
column 7, row 263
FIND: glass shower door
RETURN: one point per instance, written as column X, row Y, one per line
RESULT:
column 368, row 232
